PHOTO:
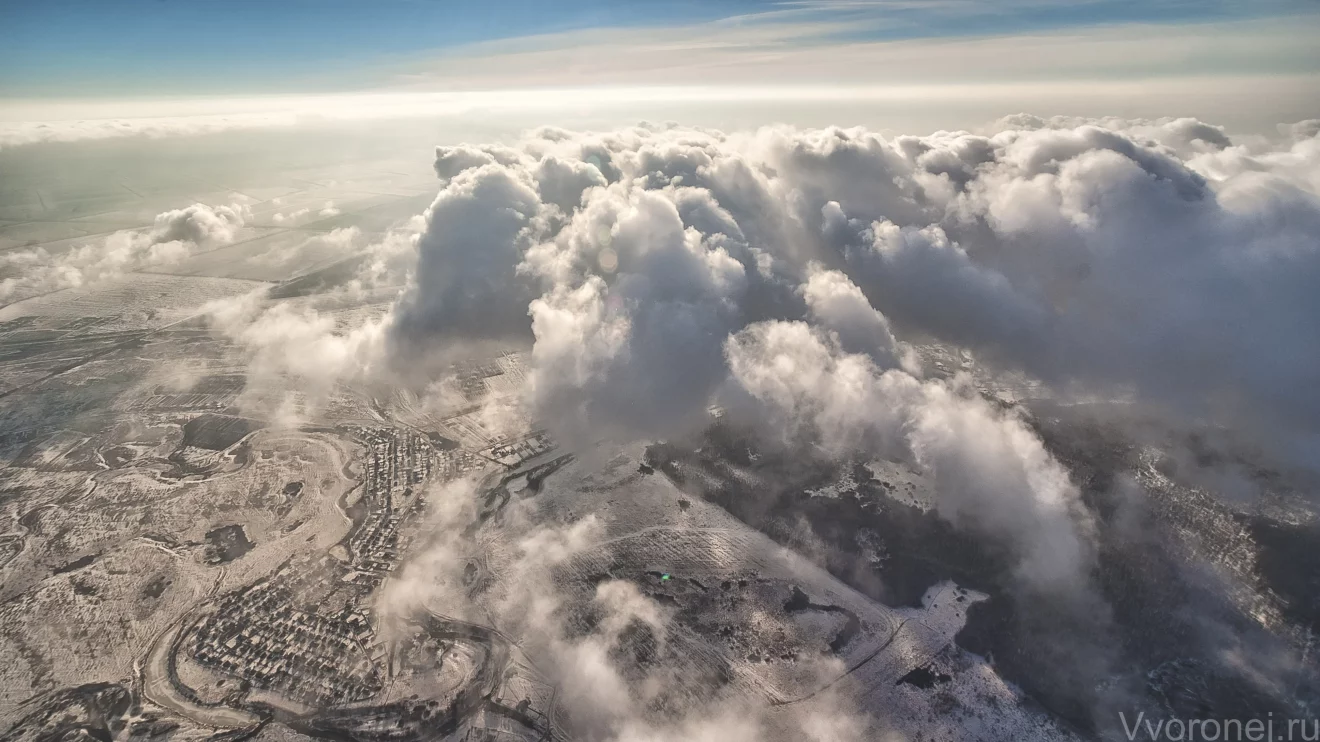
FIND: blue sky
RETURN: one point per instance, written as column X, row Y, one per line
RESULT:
column 240, row 45
column 81, row 48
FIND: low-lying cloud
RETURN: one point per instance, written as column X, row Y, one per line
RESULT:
column 605, row 696
column 174, row 236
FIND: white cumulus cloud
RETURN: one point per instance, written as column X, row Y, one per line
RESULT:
column 173, row 237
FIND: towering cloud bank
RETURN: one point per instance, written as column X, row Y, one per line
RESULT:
column 659, row 270
column 1154, row 258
